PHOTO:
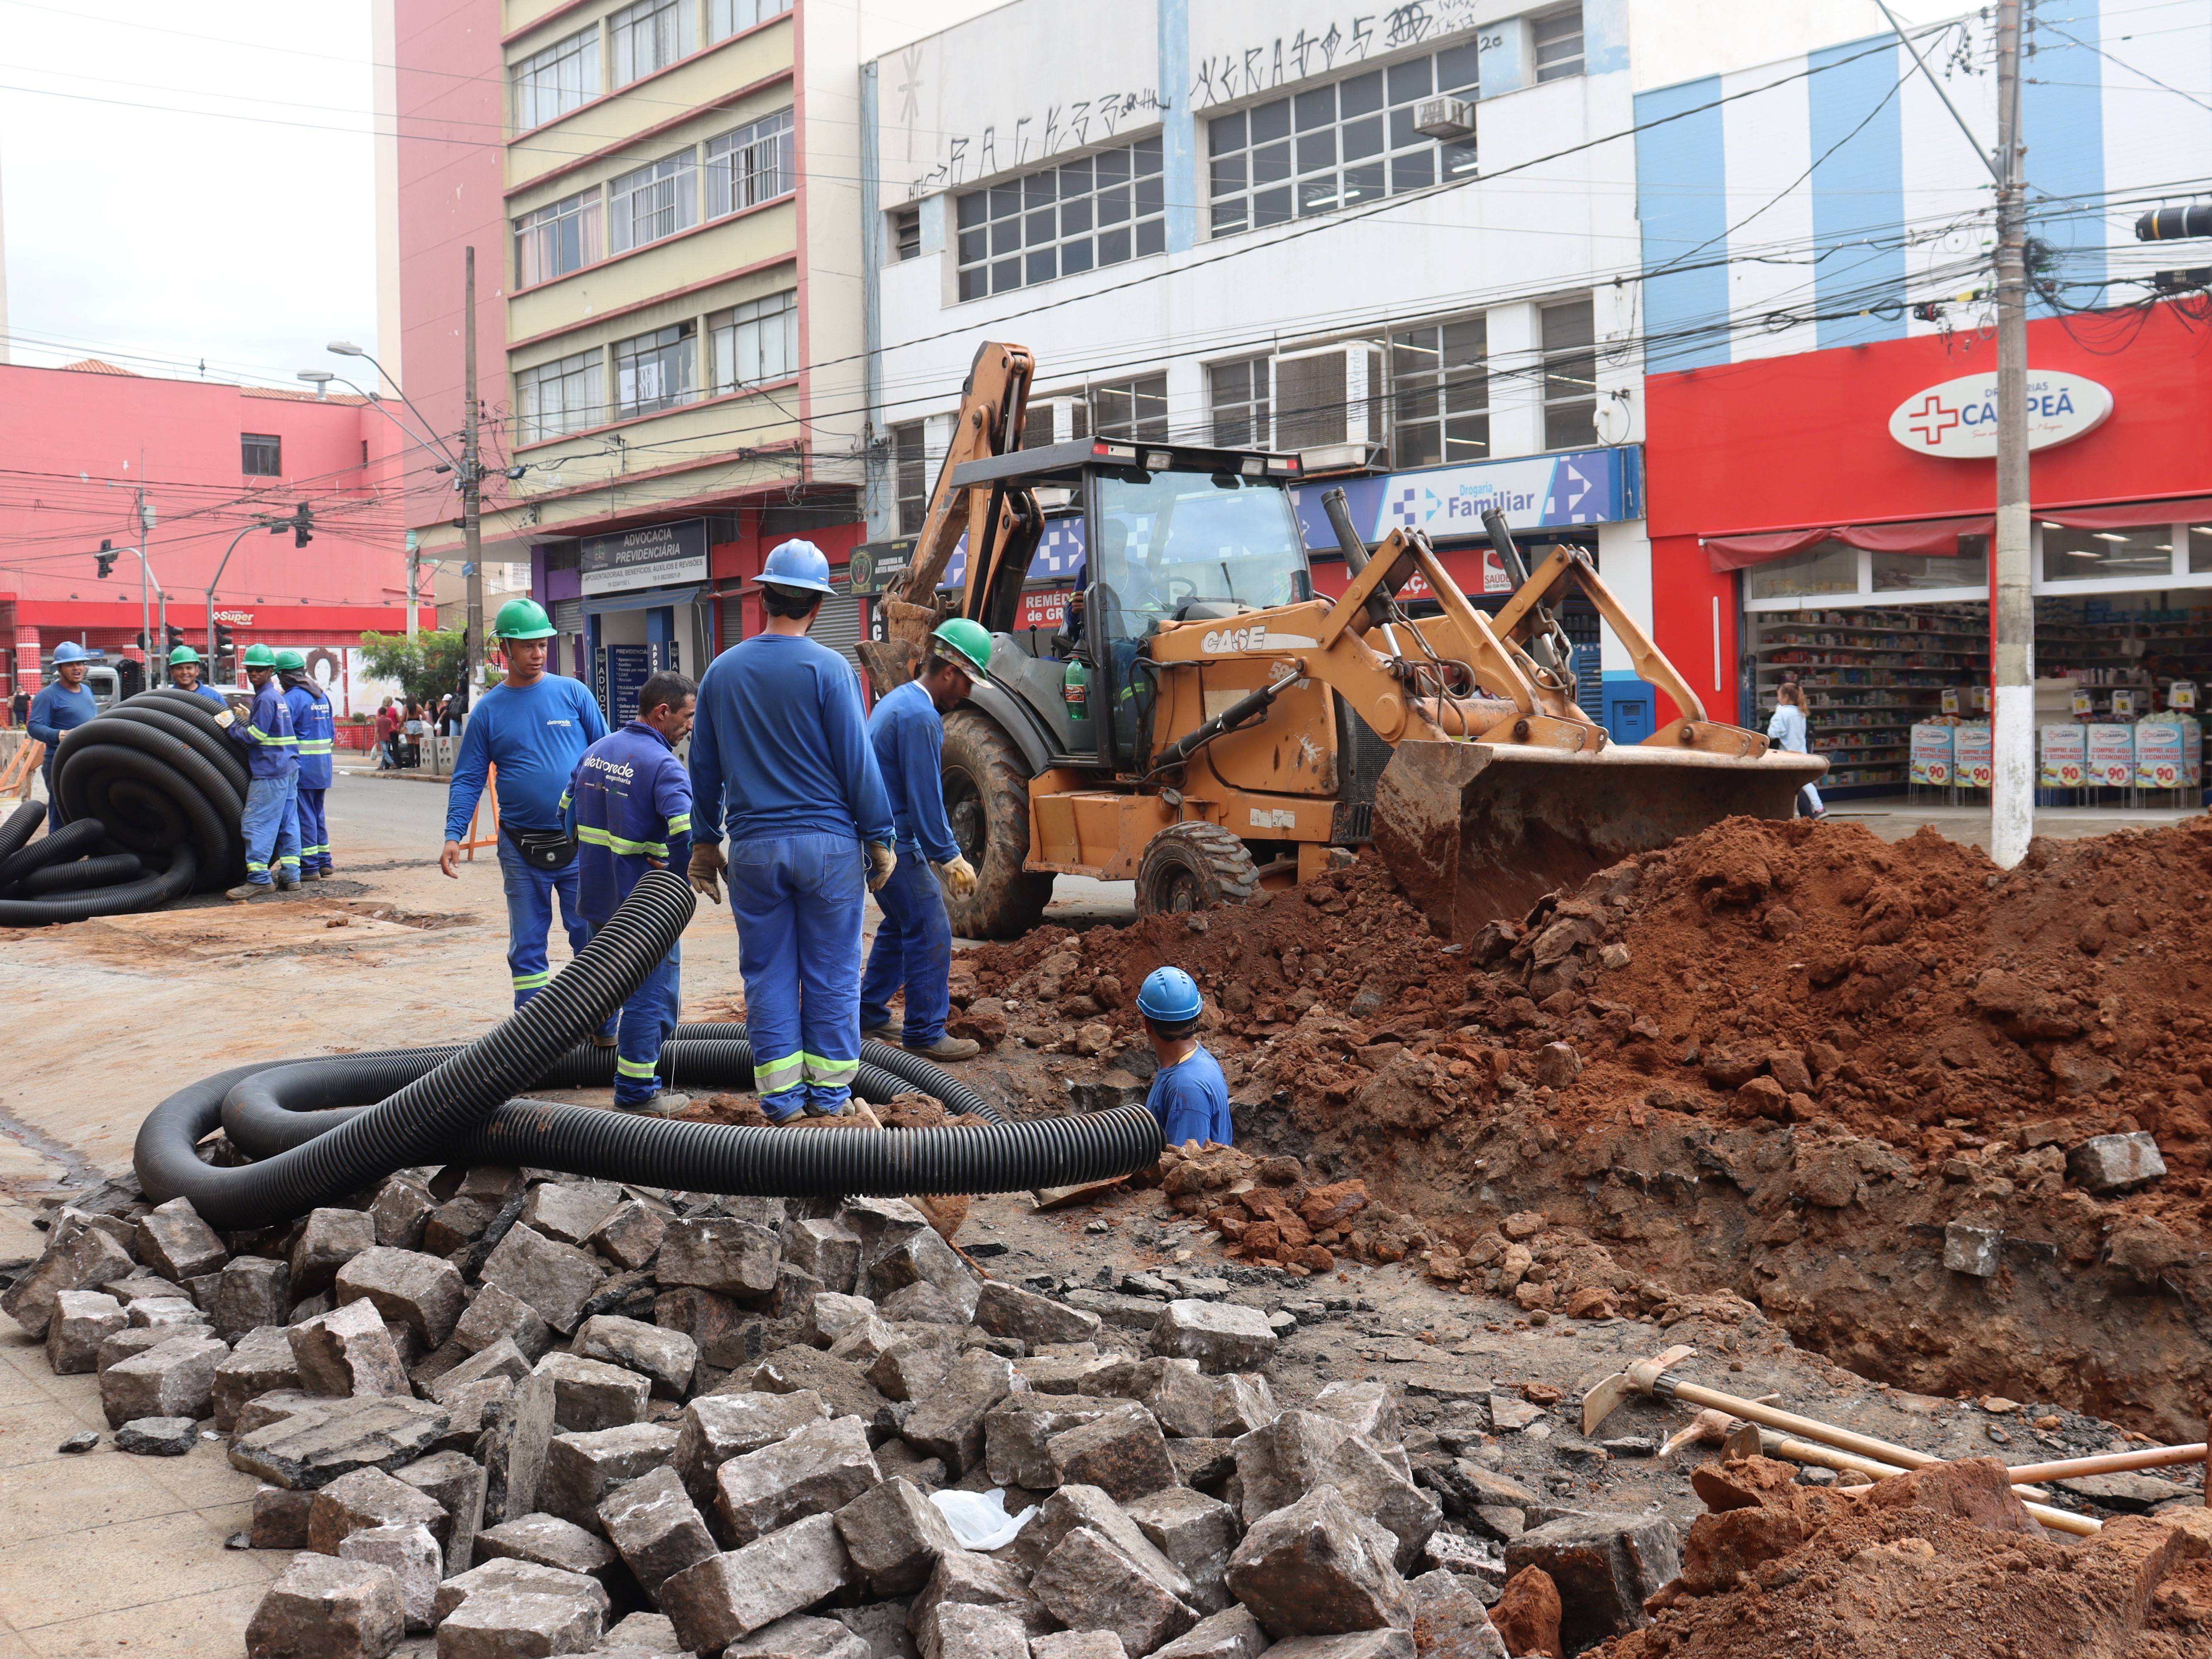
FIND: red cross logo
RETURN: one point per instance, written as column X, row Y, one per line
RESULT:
column 1932, row 420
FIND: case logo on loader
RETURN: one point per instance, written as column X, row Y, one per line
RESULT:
column 1225, row 640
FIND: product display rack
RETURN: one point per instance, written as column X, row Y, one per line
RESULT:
column 1870, row 674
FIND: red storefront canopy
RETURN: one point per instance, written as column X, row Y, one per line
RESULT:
column 1937, row 538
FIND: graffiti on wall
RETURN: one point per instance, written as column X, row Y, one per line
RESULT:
column 1223, row 76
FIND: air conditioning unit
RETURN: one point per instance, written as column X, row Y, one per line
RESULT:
column 1444, row 117
column 1327, row 399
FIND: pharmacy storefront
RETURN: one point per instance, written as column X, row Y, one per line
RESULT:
column 1827, row 518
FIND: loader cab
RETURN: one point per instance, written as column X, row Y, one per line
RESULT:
column 1170, row 533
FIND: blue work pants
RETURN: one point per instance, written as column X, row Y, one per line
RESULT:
column 53, row 800
column 271, row 827
column 913, row 948
column 530, row 896
column 646, row 1020
column 314, row 831
column 797, row 902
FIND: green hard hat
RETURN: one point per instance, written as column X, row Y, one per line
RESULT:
column 182, row 653
column 260, row 656
column 290, row 661
column 967, row 643
column 522, row 619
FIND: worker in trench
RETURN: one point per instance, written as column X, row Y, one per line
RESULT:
column 1189, row 1095
column 271, row 821
column 534, row 726
column 185, row 675
column 914, row 947
column 780, row 754
column 628, row 807
column 318, row 733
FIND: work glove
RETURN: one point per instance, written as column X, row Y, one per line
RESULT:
column 881, row 862
column 707, row 865
column 959, row 876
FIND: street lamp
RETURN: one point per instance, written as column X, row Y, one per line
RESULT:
column 348, row 348
column 321, row 378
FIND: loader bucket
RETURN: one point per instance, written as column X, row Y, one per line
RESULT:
column 1473, row 831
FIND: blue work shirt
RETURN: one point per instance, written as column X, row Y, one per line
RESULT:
column 780, row 738
column 628, row 806
column 1190, row 1098
column 317, row 732
column 535, row 736
column 272, row 746
column 908, row 734
column 58, row 709
column 203, row 689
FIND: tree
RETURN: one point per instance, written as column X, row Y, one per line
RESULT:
column 427, row 667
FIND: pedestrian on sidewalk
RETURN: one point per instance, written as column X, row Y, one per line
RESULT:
column 272, row 824
column 628, row 808
column 185, row 675
column 317, row 730
column 1189, row 1095
column 62, row 706
column 534, row 726
column 914, row 947
column 387, row 736
column 782, row 748
column 1788, row 729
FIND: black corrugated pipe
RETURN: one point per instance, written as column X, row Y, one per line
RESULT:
column 423, row 1120
column 157, row 774
column 110, row 870
column 22, row 823
column 929, row 1077
column 71, row 841
column 146, row 893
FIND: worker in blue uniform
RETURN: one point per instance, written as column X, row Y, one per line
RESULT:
column 317, row 734
column 185, row 675
column 780, row 747
column 272, row 824
column 914, row 946
column 534, row 726
column 64, row 706
column 628, row 808
column 1189, row 1095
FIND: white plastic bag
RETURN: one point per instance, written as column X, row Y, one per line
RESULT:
column 979, row 1519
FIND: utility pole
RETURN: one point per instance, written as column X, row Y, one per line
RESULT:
column 472, row 474
column 146, row 582
column 2012, row 610
column 413, row 574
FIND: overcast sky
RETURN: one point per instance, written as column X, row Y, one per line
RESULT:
column 187, row 180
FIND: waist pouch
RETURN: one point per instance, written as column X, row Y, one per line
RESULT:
column 545, row 849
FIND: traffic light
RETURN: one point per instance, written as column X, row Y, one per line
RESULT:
column 225, row 646
column 172, row 637
column 107, row 556
column 303, row 522
column 139, row 639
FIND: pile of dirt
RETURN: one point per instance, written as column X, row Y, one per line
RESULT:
column 1944, row 1562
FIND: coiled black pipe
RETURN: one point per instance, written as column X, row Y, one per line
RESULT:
column 22, row 823
column 71, row 841
column 111, row 870
column 931, row 1078
column 423, row 1120
column 146, row 893
column 155, row 774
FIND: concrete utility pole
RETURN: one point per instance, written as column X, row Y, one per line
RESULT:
column 2012, row 609
column 145, row 516
column 471, row 472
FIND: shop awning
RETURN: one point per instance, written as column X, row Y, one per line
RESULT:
column 1935, row 538
column 2197, row 509
column 647, row 598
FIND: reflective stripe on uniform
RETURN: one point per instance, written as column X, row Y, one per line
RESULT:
column 252, row 866
column 819, row 1070
column 316, row 746
column 773, row 1077
column 533, row 981
column 639, row 1068
column 592, row 836
column 260, row 736
column 680, row 825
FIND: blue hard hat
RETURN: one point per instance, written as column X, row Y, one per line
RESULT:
column 1169, row 995
column 798, row 564
column 70, row 651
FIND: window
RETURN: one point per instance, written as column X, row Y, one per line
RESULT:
column 556, row 240
column 1570, row 376
column 656, row 371
column 552, row 82
column 1559, row 45
column 2092, row 556
column 1440, row 393
column 906, row 234
column 1826, row 568
column 750, row 166
column 1336, row 145
column 755, row 341
column 1238, row 395
column 261, row 455
column 655, row 201
column 726, row 17
column 650, row 35
column 910, row 482
column 1066, row 220
column 560, row 397
column 1132, row 408
column 1900, row 573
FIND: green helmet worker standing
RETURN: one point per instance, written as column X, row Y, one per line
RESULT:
column 534, row 726
column 780, row 734
column 271, row 825
column 914, row 947
column 185, row 675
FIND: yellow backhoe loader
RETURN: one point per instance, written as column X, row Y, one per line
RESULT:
column 1207, row 725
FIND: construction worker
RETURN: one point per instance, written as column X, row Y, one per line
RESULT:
column 781, row 737
column 185, row 675
column 914, row 947
column 272, row 807
column 317, row 734
column 534, row 726
column 61, row 707
column 628, row 807
column 1189, row 1095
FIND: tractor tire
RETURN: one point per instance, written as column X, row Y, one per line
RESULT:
column 1191, row 866
column 987, row 801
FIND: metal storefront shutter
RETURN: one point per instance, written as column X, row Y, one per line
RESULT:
column 733, row 619
column 838, row 627
column 568, row 616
